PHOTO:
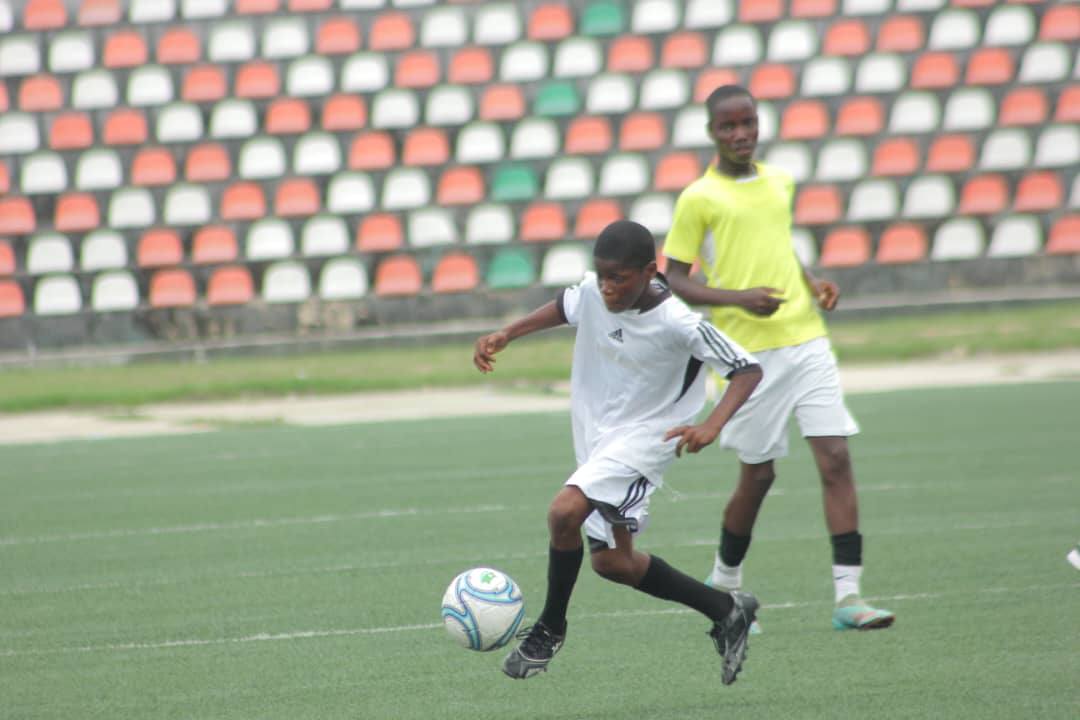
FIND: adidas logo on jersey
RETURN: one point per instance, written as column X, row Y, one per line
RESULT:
column 616, row 336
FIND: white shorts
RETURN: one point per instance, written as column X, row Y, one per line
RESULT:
column 620, row 486
column 801, row 379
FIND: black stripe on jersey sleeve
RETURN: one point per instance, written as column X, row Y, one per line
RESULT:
column 733, row 358
column 559, row 299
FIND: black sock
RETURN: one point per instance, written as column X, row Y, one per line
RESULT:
column 665, row 582
column 563, row 567
column 847, row 548
column 733, row 548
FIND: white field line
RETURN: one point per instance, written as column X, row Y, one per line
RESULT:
column 352, row 632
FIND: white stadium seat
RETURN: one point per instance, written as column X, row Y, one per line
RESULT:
column 19, row 55
column 308, row 76
column 624, row 174
column 958, row 239
column 43, row 172
column 709, row 13
column 954, row 29
column 350, row 192
column 841, row 160
column 395, row 108
column 94, row 89
column 114, row 291
column 873, row 199
column 793, row 157
column 578, row 57
column 791, row 41
column 431, row 226
column 1005, row 149
column 664, row 90
column 232, row 41
column 654, row 16
column 915, row 5
column 103, row 249
column 57, row 295
column 915, row 111
column 826, row 76
column 365, row 72
column 269, row 239
column 233, row 118
column 131, row 207
column 689, row 127
column 324, row 235
column 444, row 27
column 1044, row 62
column 187, row 204
column 316, row 153
column 535, row 138
column 489, row 224
column 1009, row 25
column 480, row 142
column 568, row 177
column 179, row 122
column 201, row 9
column 610, row 93
column 867, row 7
column 343, row 279
column 449, row 105
column 496, row 24
column 525, row 61
column 880, row 73
column 286, row 282
column 654, row 211
column 1016, row 236
column 969, row 108
column 1058, row 146
column 805, row 247
column 262, row 157
column 71, row 52
column 49, row 253
column 285, row 38
column 737, row 45
column 18, row 133
column 149, row 85
column 406, row 188
column 564, row 265
column 99, row 169
column 151, row 11
column 929, row 196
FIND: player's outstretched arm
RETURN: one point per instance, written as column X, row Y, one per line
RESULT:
column 544, row 317
column 759, row 300
column 695, row 437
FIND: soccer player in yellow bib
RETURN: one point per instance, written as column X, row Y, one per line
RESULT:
column 736, row 221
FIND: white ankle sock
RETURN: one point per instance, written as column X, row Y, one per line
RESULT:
column 724, row 577
column 846, row 580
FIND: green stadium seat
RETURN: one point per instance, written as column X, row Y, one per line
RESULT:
column 511, row 268
column 602, row 18
column 557, row 98
column 514, row 183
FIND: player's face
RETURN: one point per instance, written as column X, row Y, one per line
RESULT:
column 622, row 287
column 733, row 126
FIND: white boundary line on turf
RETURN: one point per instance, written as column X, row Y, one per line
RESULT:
column 353, row 632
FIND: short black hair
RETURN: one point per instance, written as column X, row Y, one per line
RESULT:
column 724, row 92
column 626, row 242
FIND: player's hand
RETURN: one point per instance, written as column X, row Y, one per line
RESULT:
column 691, row 437
column 761, row 300
column 827, row 293
column 485, row 349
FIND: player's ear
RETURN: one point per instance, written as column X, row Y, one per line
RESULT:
column 650, row 269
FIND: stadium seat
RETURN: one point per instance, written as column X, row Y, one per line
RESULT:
column 57, row 295
column 550, row 22
column 257, row 79
column 460, row 186
column 642, row 131
column 602, row 18
column 496, row 24
column 132, row 207
column 391, row 31
column 232, row 119
column 760, row 11
column 711, row 78
column 594, row 216
column 324, row 235
column 471, row 66
column 875, row 199
column 772, row 81
column 895, row 156
column 514, row 182
column 847, row 37
column 817, row 205
column 984, row 194
column 654, row 211
column 902, row 243
column 454, row 273
column 860, row 116
column 94, row 90
column 372, row 150
column 18, row 133
column 16, row 216
column 588, row 135
column 150, row 11
column 286, row 282
column 950, row 154
column 1039, row 191
column 929, row 196
column 954, row 29
column 103, row 249
column 969, row 108
column 901, row 34
column 655, row 16
column 12, row 302
column 511, row 268
column 49, row 253
column 208, row 162
column 269, row 239
column 214, row 244
column 187, row 205
column 395, row 108
column 543, row 222
column 257, row 7
column 1058, row 146
column 502, row 102
column 737, row 45
column 398, row 275
column 172, row 288
column 40, row 93
column 794, row 157
column 350, row 192
column 934, row 70
column 71, row 51
column 684, row 50
column 1025, row 106
column 630, row 54
column 417, row 69
column 1009, row 25
column 364, row 73
column 1064, row 236
column 535, row 138
column 1068, row 105
column 688, row 128
column 708, row 13
column 243, row 201
column 343, row 279
column 804, row 120
column 841, row 160
column 556, row 98
column 127, row 126
column 1060, row 22
column 124, row 49
column 813, row 8
column 99, row 12
column 525, row 61
column 405, row 188
column 444, row 27
column 664, row 90
column 379, row 232
column 423, row 146
column 5, row 179
column 916, row 111
column 1044, row 62
column 296, row 197
column 1016, row 236
column 150, row 166
column 43, row 172
column 316, row 153
column 488, row 224
column 792, row 41
column 958, row 239
column 69, row 131
column 161, row 247
column 288, row 116
column 19, row 55
column 230, row 41
column 480, row 142
column 230, row 285
column 578, row 57
column 568, row 178
column 7, row 259
column 845, row 247
column 1005, row 149
column 610, row 94
column 76, row 212
column 308, row 76
column 284, row 37
column 337, row 36
column 204, row 83
column 989, row 66
column 564, row 265
column 344, row 112
column 880, row 73
column 178, row 46
column 826, row 76
column 676, row 170
column 261, row 157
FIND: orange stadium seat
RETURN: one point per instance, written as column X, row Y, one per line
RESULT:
column 178, row 46
column 950, row 154
column 1039, row 191
column 296, row 197
column 989, row 66
column 1024, row 106
column 845, row 247
column 1061, row 22
column 125, row 126
column 770, row 81
column 588, row 136
column 243, row 201
column 847, row 37
column 460, row 186
column 1064, row 236
column 160, row 247
column 804, row 120
column 153, row 166
column 417, row 69
column 203, row 83
column 344, row 112
column 288, row 116
column 7, row 258
column 5, row 179
column 76, row 212
column 471, row 66
column 426, row 146
column 208, row 162
column 642, row 131
column 392, row 31
column 124, row 49
column 901, row 34
column 1068, row 105
column 817, row 205
column 40, row 93
column 684, row 50
column 99, row 12
column 379, row 232
column 896, row 156
column 257, row 79
column 309, row 5
column 550, row 21
column 902, row 243
column 984, row 194
column 5, row 104
column 860, row 116
column 813, row 8
column 398, row 275
column 338, row 36
column 711, row 78
column 214, row 244
column 934, row 70
column 594, row 216
column 16, row 216
column 71, row 131
column 172, row 288
column 631, row 54
column 455, row 272
column 255, row 7
column 543, row 222
column 12, row 302
column 676, row 171
column 44, row 15
column 502, row 102
column 230, row 285
column 372, row 151
column 759, row 11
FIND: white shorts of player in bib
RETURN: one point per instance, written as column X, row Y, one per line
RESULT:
column 801, row 380
column 618, row 486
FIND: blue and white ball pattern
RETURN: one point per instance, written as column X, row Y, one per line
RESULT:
column 482, row 608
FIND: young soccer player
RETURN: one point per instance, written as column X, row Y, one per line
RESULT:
column 636, row 386
column 736, row 219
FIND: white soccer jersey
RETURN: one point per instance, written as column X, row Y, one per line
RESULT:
column 638, row 374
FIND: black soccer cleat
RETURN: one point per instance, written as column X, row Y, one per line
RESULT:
column 534, row 652
column 731, row 634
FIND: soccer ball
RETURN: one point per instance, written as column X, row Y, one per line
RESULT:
column 482, row 608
